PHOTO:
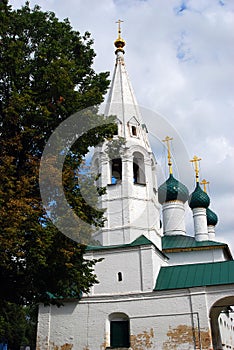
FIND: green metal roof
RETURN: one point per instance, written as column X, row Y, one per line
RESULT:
column 182, row 241
column 176, row 243
column 195, row 275
column 140, row 241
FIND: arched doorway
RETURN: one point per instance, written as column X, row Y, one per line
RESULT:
column 119, row 330
column 222, row 323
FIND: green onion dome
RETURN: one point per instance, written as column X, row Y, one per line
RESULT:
column 199, row 198
column 172, row 190
column 212, row 218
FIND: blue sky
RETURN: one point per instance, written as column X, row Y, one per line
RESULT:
column 179, row 56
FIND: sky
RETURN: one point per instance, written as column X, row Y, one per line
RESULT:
column 180, row 59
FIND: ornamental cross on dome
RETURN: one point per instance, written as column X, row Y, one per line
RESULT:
column 119, row 27
column 167, row 140
column 204, row 183
column 196, row 160
column 119, row 42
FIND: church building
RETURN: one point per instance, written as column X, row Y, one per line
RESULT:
column 160, row 288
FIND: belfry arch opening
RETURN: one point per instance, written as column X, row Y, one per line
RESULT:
column 116, row 171
column 222, row 323
column 138, row 168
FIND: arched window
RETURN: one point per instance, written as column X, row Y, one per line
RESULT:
column 119, row 330
column 116, row 170
column 134, row 130
column 138, row 168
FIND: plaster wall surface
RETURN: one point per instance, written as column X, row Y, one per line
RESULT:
column 193, row 257
column 169, row 320
column 138, row 267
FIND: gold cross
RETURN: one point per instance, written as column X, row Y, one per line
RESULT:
column 167, row 139
column 119, row 27
column 204, row 182
column 195, row 160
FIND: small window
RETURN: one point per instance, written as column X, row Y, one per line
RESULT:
column 120, row 277
column 116, row 170
column 134, row 130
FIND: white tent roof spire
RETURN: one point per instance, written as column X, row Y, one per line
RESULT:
column 121, row 100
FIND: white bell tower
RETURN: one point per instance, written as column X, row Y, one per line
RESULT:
column 131, row 199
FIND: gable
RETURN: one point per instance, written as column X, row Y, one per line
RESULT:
column 133, row 121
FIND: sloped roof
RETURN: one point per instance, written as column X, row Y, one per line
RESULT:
column 121, row 99
column 195, row 275
column 182, row 241
column 178, row 243
column 140, row 241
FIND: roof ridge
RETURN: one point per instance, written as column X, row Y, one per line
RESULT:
column 141, row 240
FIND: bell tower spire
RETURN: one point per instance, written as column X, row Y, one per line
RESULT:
column 121, row 100
column 131, row 200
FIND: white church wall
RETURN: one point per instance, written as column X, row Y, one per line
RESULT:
column 193, row 257
column 43, row 330
column 127, row 263
column 137, row 266
column 159, row 320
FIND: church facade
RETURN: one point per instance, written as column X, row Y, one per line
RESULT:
column 160, row 288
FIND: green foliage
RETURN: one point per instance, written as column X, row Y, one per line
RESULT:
column 45, row 76
column 18, row 325
column 115, row 147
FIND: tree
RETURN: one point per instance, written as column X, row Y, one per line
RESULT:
column 18, row 325
column 46, row 75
